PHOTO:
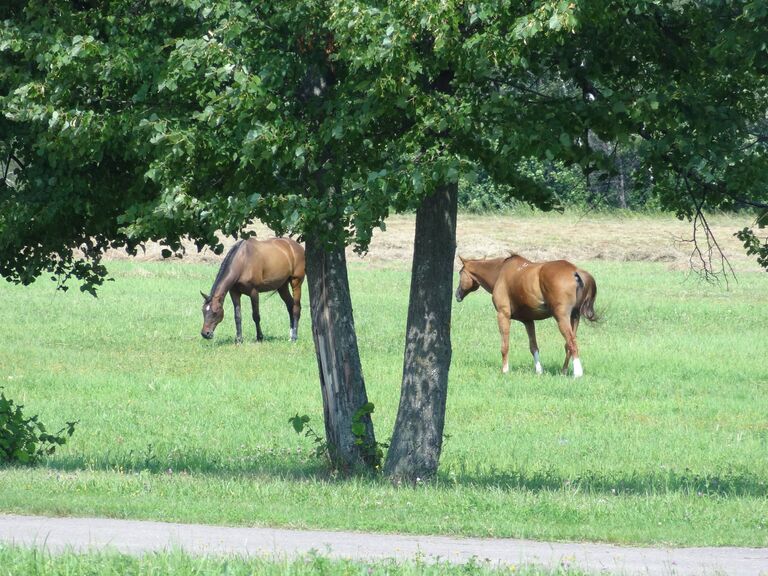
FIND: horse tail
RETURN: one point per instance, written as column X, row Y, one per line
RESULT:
column 589, row 293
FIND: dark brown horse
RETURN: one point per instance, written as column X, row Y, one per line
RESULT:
column 527, row 291
column 252, row 266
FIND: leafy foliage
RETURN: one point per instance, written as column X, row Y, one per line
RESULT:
column 25, row 439
column 753, row 244
column 125, row 124
column 301, row 425
column 373, row 451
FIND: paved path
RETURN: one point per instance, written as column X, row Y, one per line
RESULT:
column 136, row 537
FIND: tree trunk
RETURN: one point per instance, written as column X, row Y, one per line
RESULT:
column 338, row 360
column 622, row 192
column 417, row 440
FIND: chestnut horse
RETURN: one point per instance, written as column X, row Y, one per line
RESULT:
column 526, row 291
column 252, row 266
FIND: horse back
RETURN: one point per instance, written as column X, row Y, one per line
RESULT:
column 268, row 264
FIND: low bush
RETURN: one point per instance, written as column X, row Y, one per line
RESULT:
column 25, row 439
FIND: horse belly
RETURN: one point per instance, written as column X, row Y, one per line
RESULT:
column 262, row 286
column 274, row 274
column 525, row 313
column 527, row 301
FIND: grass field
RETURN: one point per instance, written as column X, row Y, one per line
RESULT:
column 665, row 439
column 21, row 561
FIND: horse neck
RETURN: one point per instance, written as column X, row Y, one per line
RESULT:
column 486, row 272
column 221, row 286
column 229, row 272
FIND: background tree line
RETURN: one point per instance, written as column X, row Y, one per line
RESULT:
column 627, row 186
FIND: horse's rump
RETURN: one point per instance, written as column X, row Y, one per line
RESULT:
column 589, row 286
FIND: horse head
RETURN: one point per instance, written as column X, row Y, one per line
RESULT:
column 213, row 313
column 467, row 282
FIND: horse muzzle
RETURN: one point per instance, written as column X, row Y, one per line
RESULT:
column 207, row 334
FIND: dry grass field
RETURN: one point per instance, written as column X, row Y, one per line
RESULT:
column 573, row 235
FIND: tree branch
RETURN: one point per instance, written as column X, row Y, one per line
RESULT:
column 15, row 158
column 706, row 256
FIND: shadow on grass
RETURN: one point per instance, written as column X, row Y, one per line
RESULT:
column 617, row 483
column 225, row 340
column 303, row 465
column 276, row 463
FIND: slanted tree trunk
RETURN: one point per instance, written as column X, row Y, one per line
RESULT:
column 338, row 360
column 418, row 435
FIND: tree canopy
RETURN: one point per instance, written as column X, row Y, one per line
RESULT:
column 128, row 121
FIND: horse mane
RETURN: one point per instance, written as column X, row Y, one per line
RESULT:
column 225, row 264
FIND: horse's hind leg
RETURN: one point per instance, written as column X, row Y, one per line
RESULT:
column 571, row 347
column 289, row 304
column 235, row 296
column 256, row 315
column 296, row 286
column 577, row 368
column 530, row 327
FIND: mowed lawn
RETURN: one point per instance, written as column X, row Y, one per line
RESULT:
column 665, row 439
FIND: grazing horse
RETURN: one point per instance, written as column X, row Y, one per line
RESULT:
column 252, row 266
column 526, row 291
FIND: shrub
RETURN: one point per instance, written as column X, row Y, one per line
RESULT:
column 25, row 440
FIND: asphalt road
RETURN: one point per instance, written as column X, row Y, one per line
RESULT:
column 137, row 537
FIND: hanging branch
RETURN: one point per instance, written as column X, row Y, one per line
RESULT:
column 706, row 250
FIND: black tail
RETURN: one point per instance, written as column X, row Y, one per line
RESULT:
column 587, row 283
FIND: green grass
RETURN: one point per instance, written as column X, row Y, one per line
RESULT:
column 15, row 560
column 665, row 440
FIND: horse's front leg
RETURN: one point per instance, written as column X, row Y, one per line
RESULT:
column 256, row 316
column 238, row 316
column 530, row 327
column 503, row 318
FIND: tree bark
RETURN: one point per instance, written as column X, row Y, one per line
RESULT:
column 338, row 360
column 417, row 440
column 622, row 192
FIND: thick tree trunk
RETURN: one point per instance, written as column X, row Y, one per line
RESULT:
column 338, row 360
column 417, row 440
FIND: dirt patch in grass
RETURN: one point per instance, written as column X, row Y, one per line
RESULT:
column 573, row 236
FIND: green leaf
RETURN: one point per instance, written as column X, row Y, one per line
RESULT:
column 358, row 429
column 298, row 422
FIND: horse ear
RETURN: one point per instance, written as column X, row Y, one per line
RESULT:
column 205, row 296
